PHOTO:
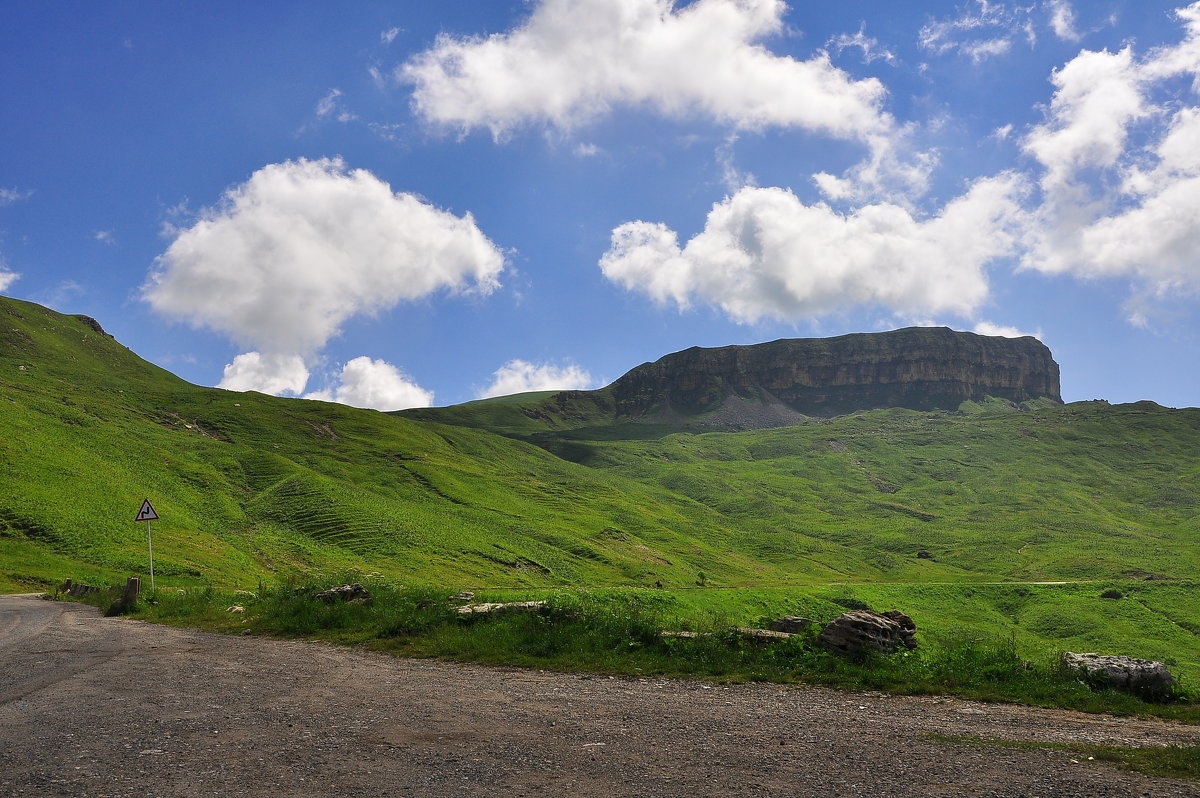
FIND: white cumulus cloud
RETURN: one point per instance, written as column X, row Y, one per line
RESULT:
column 765, row 254
column 272, row 373
column 574, row 60
column 375, row 384
column 1121, row 156
column 284, row 259
column 520, row 376
column 7, row 278
column 1098, row 95
column 988, row 328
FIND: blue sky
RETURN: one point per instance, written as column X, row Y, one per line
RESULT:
column 404, row 203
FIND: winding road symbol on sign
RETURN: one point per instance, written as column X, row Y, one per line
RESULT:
column 147, row 512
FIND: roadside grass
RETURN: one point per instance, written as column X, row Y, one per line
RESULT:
column 1175, row 761
column 619, row 633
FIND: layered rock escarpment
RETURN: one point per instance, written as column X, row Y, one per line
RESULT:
column 922, row 368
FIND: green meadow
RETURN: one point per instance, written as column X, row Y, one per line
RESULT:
column 958, row 518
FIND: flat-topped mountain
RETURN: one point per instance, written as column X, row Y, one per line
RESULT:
column 920, row 368
column 782, row 383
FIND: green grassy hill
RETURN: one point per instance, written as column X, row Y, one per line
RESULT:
column 248, row 484
column 889, row 507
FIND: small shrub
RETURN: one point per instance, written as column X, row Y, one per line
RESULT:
column 1112, row 593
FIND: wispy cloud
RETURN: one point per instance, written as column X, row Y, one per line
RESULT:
column 11, row 196
column 1062, row 20
column 62, row 293
column 982, row 30
column 868, row 45
column 331, row 105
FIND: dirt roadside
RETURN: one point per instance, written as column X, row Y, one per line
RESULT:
column 99, row 707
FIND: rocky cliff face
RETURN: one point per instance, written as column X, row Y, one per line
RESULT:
column 922, row 368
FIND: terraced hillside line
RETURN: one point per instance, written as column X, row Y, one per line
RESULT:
column 120, row 708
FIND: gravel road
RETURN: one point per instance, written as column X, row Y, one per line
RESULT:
column 98, row 707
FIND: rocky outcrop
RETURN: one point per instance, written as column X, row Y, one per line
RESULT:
column 354, row 593
column 792, row 624
column 770, row 384
column 1141, row 677
column 500, row 608
column 858, row 632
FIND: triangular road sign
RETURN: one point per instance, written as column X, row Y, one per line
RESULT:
column 147, row 512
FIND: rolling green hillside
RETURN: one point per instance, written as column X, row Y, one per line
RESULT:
column 937, row 512
column 248, row 483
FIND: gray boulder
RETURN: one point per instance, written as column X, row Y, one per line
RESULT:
column 1141, row 677
column 861, row 631
column 354, row 593
column 790, row 624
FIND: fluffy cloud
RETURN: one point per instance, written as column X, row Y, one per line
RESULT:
column 1098, row 95
column 1117, row 205
column 7, row 278
column 273, row 374
column 288, row 256
column 765, row 254
column 703, row 58
column 302, row 246
column 375, row 384
column 988, row 328
column 1180, row 59
column 519, row 376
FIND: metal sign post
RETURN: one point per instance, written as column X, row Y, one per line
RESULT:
column 147, row 514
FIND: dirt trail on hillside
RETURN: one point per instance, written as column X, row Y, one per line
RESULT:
column 101, row 707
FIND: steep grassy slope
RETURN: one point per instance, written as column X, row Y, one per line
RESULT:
column 247, row 483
